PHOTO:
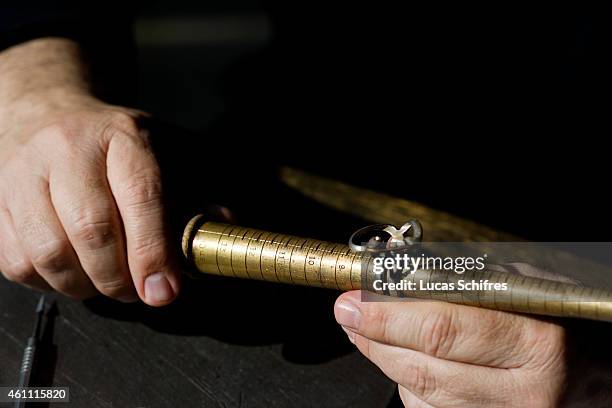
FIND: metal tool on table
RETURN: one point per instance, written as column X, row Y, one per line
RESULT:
column 29, row 353
column 236, row 251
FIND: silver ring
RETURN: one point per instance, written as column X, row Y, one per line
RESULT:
column 371, row 235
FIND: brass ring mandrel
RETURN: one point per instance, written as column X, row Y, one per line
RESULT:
column 235, row 251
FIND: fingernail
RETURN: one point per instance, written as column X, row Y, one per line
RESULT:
column 350, row 334
column 158, row 289
column 347, row 313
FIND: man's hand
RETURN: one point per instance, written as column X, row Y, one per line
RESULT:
column 80, row 190
column 447, row 355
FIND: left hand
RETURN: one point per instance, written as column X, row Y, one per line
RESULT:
column 448, row 355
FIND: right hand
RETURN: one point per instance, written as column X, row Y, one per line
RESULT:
column 81, row 209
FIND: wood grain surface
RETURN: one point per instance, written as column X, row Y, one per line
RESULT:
column 204, row 351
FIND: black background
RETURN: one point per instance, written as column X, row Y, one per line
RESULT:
column 496, row 113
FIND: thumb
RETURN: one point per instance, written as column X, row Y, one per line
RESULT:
column 135, row 181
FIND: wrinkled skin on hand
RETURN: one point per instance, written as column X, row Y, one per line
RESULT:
column 448, row 355
column 81, row 206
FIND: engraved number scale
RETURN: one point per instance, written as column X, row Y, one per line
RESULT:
column 235, row 251
column 230, row 250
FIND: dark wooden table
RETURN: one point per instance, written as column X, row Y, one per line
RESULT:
column 205, row 350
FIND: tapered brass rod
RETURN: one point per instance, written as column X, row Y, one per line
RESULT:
column 236, row 251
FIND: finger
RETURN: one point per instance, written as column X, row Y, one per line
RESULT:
column 439, row 382
column 14, row 264
column 448, row 331
column 45, row 243
column 135, row 181
column 410, row 400
column 87, row 211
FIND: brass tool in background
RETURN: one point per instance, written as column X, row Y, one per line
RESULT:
column 441, row 226
column 383, row 208
column 235, row 251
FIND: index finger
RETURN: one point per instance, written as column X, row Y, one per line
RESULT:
column 135, row 181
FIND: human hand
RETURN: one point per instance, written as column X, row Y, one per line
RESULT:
column 448, row 355
column 81, row 205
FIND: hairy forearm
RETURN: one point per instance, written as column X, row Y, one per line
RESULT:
column 38, row 77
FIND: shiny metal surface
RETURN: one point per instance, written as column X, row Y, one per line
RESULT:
column 236, row 251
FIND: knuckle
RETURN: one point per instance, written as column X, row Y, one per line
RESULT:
column 61, row 133
column 61, row 139
column 94, row 232
column 51, row 256
column 377, row 319
column 439, row 332
column 66, row 132
column 19, row 272
column 122, row 122
column 419, row 379
column 32, row 226
column 124, row 127
column 144, row 189
column 543, row 345
column 502, row 332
